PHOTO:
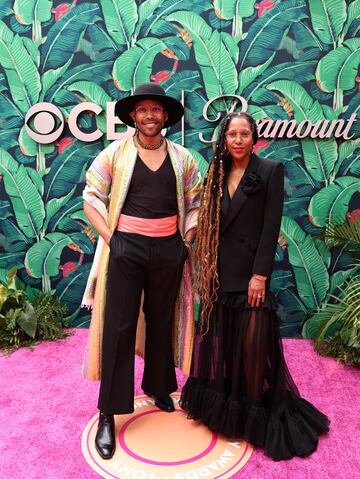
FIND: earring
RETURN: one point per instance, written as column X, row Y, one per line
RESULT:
column 135, row 125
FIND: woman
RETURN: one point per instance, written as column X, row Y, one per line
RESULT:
column 240, row 385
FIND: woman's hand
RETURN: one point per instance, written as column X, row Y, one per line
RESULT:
column 256, row 291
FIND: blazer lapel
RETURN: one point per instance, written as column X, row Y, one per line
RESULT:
column 239, row 198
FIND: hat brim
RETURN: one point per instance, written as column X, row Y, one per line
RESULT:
column 125, row 106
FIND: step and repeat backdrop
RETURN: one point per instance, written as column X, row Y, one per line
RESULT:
column 292, row 64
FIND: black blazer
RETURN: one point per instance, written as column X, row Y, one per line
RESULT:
column 250, row 224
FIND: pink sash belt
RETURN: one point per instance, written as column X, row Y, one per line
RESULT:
column 146, row 226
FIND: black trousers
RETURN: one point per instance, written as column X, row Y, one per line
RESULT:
column 139, row 263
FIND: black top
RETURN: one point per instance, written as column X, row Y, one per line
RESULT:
column 152, row 194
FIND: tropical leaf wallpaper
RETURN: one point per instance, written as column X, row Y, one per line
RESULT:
column 290, row 59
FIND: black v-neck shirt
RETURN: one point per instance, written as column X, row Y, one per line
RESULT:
column 152, row 194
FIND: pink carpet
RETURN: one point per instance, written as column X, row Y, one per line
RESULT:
column 45, row 405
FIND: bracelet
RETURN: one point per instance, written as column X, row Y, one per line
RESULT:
column 259, row 277
column 188, row 243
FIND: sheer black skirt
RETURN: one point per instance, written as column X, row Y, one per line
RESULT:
column 241, row 387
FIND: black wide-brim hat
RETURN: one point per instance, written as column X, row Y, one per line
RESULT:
column 149, row 91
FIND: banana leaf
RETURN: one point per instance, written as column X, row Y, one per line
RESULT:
column 289, row 45
column 91, row 92
column 248, row 75
column 231, row 46
column 8, row 138
column 265, row 35
column 234, row 10
column 300, row 177
column 145, row 11
column 281, row 279
column 5, row 210
column 67, row 169
column 82, row 242
column 30, row 147
column 32, row 50
column 306, row 38
column 353, row 14
column 217, row 67
column 6, row 8
column 101, row 41
column 43, row 258
column 51, row 76
column 331, row 204
column 36, row 178
column 353, row 107
column 304, row 106
column 338, row 68
column 292, row 312
column 284, row 150
column 134, row 66
column 327, row 18
column 68, row 225
column 63, row 37
column 25, row 199
column 14, row 240
column 311, row 275
column 296, row 207
column 70, row 289
column 301, row 72
column 86, row 47
column 120, row 19
column 339, row 279
column 20, row 70
column 29, row 11
column 74, row 205
column 54, row 205
column 169, row 6
column 320, row 157
column 348, row 158
column 186, row 80
column 12, row 259
column 228, row 9
column 177, row 46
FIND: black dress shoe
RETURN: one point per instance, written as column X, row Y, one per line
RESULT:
column 165, row 403
column 105, row 436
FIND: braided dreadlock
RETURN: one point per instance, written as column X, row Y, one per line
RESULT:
column 207, row 238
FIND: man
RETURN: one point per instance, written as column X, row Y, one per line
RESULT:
column 142, row 196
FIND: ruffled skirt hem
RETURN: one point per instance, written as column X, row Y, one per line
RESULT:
column 290, row 430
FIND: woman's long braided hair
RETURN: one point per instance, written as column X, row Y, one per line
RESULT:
column 207, row 237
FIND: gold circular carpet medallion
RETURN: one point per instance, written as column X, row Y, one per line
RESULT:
column 152, row 444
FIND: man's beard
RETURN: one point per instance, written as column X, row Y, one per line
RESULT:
column 157, row 129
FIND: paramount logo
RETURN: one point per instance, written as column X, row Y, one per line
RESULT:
column 45, row 123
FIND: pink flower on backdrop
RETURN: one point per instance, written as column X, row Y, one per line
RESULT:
column 61, row 9
column 264, row 7
column 63, row 144
column 353, row 215
column 260, row 145
column 358, row 80
column 67, row 268
column 160, row 76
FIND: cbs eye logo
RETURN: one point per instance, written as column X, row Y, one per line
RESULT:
column 44, row 123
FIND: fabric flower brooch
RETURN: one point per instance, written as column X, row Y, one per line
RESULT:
column 251, row 183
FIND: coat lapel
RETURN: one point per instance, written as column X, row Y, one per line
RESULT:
column 123, row 170
column 239, row 198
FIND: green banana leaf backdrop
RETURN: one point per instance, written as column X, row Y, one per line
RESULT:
column 290, row 59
